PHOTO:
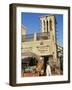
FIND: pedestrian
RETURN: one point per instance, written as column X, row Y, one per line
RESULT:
column 48, row 70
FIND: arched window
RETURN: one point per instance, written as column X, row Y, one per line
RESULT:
column 44, row 24
column 47, row 25
column 50, row 22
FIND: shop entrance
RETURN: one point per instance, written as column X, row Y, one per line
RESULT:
column 46, row 58
column 28, row 66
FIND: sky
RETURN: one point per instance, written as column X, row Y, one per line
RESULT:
column 32, row 23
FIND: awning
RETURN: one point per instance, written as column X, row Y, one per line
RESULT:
column 30, row 54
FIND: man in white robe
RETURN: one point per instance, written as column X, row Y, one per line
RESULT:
column 48, row 70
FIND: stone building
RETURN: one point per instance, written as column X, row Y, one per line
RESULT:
column 48, row 26
column 42, row 46
column 23, row 30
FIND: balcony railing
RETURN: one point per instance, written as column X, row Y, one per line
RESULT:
column 29, row 37
column 35, row 36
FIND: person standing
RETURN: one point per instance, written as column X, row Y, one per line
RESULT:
column 48, row 70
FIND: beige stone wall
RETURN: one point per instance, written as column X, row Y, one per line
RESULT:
column 35, row 47
column 52, row 32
